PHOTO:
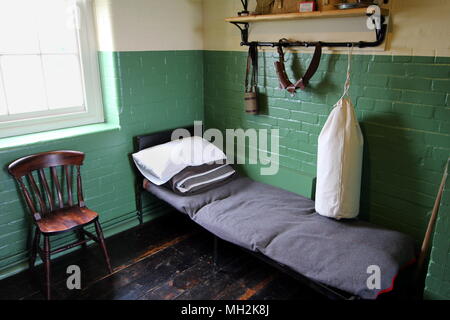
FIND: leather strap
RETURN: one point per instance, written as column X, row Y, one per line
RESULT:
column 252, row 62
column 285, row 83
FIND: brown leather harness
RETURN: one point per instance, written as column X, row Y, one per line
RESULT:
column 285, row 83
column 251, row 76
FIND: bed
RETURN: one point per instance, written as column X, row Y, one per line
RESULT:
column 282, row 228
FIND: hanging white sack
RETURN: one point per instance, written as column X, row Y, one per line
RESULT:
column 339, row 160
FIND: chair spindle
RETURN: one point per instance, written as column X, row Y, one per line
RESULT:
column 69, row 185
column 46, row 188
column 79, row 188
column 58, row 187
column 34, row 187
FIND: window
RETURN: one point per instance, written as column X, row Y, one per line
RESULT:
column 49, row 75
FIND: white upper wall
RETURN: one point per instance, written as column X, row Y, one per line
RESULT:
column 147, row 25
column 418, row 27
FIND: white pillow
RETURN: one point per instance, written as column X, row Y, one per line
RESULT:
column 160, row 163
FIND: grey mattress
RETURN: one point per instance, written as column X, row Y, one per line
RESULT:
column 284, row 226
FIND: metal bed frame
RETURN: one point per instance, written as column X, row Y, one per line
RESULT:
column 145, row 141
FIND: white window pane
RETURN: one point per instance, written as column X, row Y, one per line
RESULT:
column 63, row 81
column 3, row 108
column 57, row 26
column 18, row 26
column 24, row 83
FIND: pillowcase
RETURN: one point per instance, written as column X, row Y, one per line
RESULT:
column 193, row 180
column 160, row 163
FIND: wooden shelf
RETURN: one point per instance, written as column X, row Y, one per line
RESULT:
column 359, row 12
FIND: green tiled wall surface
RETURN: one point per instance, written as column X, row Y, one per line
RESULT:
column 145, row 92
column 403, row 105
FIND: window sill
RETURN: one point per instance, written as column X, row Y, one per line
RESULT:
column 52, row 135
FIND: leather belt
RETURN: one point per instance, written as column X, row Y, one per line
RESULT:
column 285, row 83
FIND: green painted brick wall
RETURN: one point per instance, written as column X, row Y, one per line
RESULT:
column 145, row 92
column 403, row 105
column 402, row 102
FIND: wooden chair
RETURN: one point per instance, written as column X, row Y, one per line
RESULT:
column 51, row 214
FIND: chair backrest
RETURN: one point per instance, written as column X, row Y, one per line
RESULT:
column 40, row 195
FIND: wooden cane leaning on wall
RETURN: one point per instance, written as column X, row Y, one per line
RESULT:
column 427, row 238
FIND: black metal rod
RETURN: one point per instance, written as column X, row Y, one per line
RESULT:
column 360, row 44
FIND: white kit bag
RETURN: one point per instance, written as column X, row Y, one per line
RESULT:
column 339, row 160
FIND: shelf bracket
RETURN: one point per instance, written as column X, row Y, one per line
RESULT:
column 377, row 24
column 244, row 31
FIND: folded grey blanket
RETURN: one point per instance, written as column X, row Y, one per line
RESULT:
column 196, row 179
column 284, row 227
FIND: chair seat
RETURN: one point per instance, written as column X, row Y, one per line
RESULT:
column 66, row 219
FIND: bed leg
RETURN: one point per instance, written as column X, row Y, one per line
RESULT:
column 139, row 203
column 140, row 218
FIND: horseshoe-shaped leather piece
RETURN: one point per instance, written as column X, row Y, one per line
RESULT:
column 285, row 83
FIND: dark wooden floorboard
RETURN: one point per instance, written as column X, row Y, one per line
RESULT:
column 168, row 258
column 179, row 282
column 131, row 281
column 244, row 286
column 285, row 288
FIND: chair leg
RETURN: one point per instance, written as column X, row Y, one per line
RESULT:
column 82, row 237
column 99, row 231
column 47, row 266
column 34, row 248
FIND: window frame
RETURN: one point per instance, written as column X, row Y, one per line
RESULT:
column 92, row 112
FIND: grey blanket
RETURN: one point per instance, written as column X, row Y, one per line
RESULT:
column 284, row 227
column 199, row 179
